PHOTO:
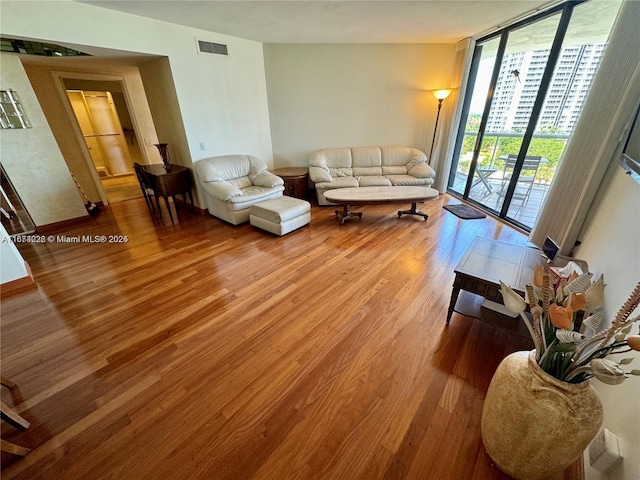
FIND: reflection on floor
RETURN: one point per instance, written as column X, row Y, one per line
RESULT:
column 523, row 209
column 123, row 187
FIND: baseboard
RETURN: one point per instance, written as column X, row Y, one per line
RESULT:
column 63, row 225
column 19, row 284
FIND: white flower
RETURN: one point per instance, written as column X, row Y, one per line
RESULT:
column 579, row 284
column 592, row 322
column 607, row 371
column 569, row 336
column 514, row 302
column 595, row 294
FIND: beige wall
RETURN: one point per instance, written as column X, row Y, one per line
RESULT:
column 32, row 158
column 610, row 244
column 165, row 109
column 324, row 96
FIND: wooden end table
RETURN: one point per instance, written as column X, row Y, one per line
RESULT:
column 296, row 181
column 176, row 181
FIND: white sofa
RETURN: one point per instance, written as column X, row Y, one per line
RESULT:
column 332, row 168
column 233, row 183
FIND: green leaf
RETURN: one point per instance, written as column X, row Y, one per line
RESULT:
column 626, row 361
column 565, row 347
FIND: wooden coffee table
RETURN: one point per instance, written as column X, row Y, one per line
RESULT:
column 479, row 272
column 378, row 195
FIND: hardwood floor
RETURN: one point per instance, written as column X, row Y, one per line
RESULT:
column 206, row 351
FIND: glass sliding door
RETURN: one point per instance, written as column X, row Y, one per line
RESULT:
column 482, row 70
column 526, row 89
column 569, row 84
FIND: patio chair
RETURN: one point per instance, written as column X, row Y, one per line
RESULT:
column 527, row 174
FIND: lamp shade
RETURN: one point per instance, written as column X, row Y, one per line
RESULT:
column 442, row 93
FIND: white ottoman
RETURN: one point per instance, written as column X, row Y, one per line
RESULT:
column 280, row 215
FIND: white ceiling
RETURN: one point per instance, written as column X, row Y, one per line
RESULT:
column 360, row 21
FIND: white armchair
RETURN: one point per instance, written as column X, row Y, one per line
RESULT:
column 233, row 183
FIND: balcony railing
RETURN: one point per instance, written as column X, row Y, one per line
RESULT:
column 496, row 144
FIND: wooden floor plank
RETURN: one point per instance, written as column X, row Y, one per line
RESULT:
column 204, row 350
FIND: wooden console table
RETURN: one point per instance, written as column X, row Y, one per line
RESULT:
column 480, row 270
column 176, row 181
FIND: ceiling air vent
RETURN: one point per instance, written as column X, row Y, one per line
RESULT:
column 212, row 48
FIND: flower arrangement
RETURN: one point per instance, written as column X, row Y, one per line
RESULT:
column 561, row 351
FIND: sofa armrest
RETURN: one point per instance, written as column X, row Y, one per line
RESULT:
column 319, row 175
column 267, row 179
column 222, row 190
column 422, row 170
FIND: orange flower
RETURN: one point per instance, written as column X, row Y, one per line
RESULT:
column 576, row 301
column 538, row 276
column 561, row 317
column 634, row 342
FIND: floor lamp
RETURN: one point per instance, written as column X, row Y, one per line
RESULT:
column 440, row 94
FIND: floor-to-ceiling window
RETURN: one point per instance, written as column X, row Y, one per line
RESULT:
column 526, row 89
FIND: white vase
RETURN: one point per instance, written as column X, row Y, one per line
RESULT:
column 534, row 425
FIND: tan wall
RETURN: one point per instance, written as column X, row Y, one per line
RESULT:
column 324, row 96
column 32, row 158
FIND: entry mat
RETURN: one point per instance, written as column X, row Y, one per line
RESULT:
column 464, row 211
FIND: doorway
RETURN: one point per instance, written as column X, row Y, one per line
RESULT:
column 109, row 135
column 525, row 93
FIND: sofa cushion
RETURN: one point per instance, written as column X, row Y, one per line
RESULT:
column 328, row 163
column 394, row 170
column 240, row 182
column 373, row 181
column 222, row 190
column 219, row 169
column 331, row 158
column 251, row 195
column 340, row 182
column 406, row 156
column 365, row 157
column 318, row 174
column 340, row 172
column 395, row 155
column 422, row 170
column 256, row 167
column 362, row 171
column 267, row 179
column 408, row 180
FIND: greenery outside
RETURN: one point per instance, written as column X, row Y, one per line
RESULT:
column 496, row 144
